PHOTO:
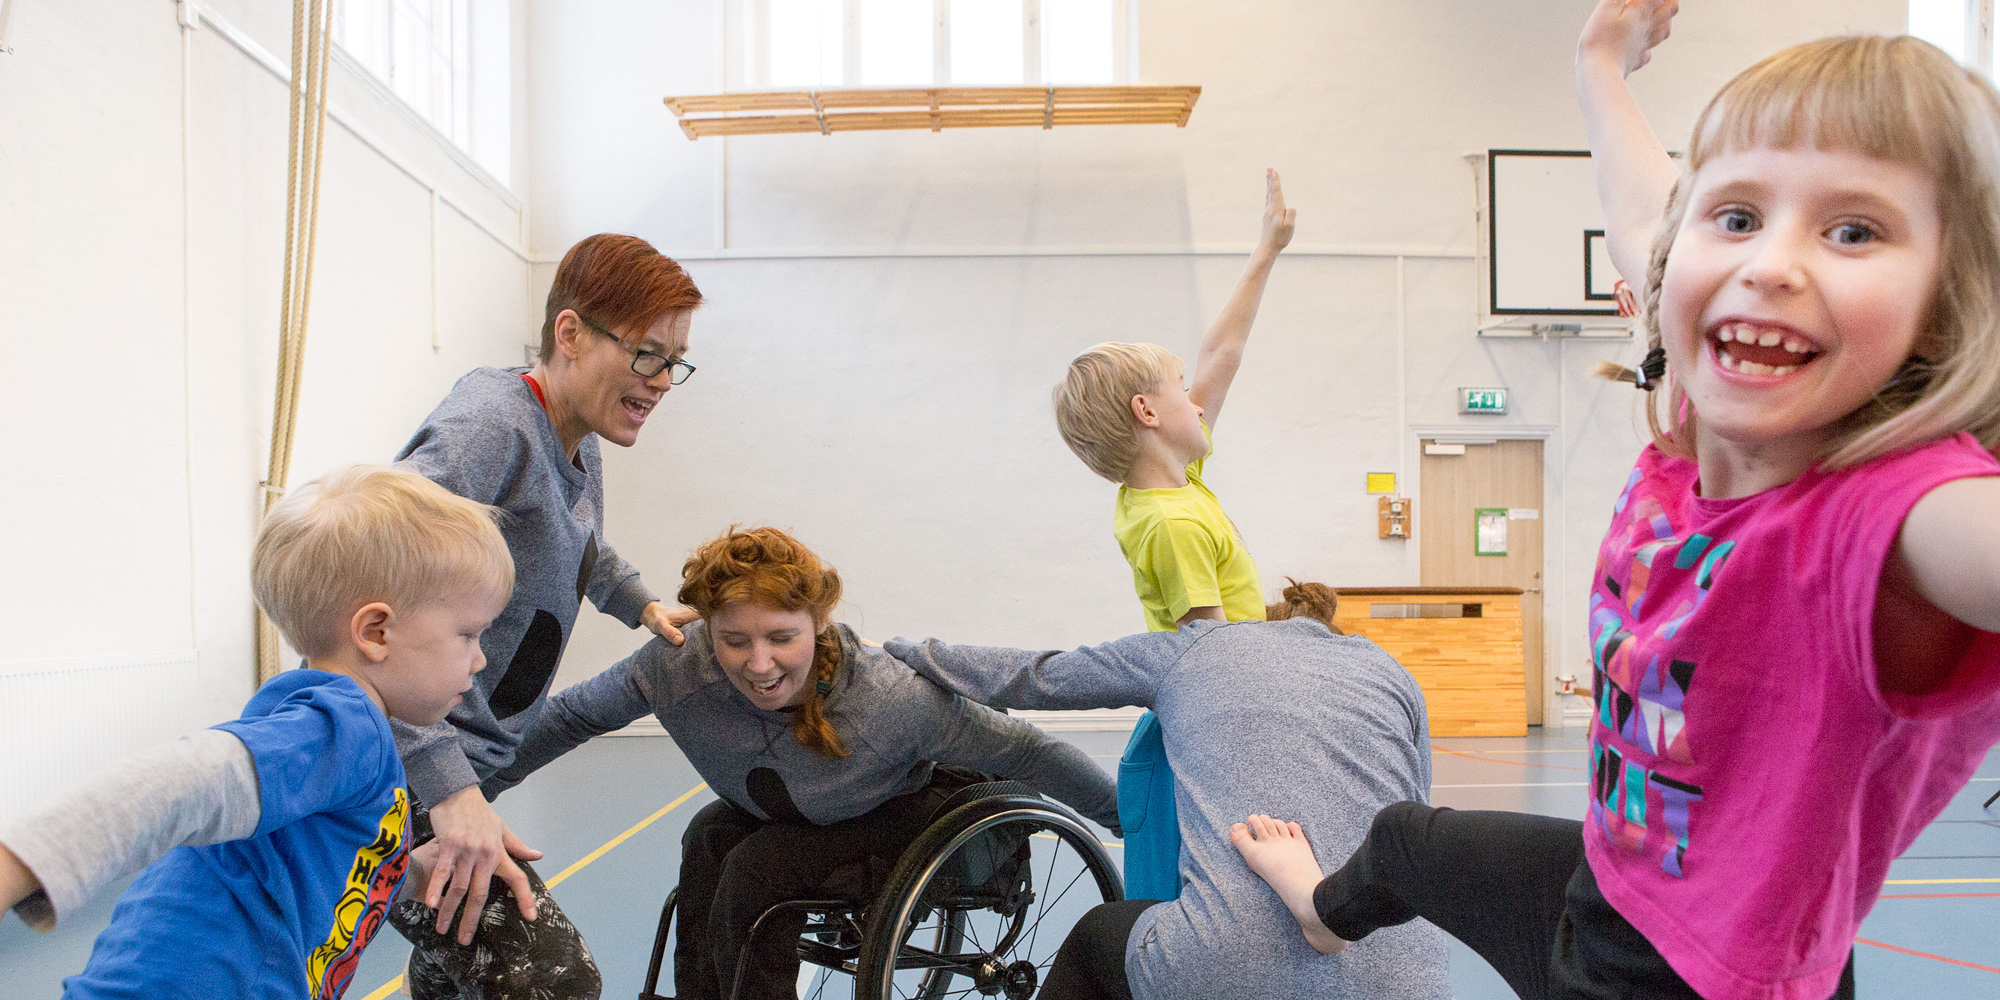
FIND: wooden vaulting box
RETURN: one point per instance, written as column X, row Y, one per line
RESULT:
column 1462, row 645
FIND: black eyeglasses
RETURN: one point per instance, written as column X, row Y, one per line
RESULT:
column 646, row 364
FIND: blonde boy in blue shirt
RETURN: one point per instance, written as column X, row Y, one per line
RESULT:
column 1125, row 410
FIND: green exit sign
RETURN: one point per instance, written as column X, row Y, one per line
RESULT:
column 1482, row 400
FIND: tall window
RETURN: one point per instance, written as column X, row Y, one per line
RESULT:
column 447, row 59
column 888, row 43
column 1963, row 28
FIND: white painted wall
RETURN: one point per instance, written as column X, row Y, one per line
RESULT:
column 893, row 409
column 140, row 277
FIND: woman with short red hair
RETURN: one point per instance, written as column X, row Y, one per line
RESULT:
column 614, row 341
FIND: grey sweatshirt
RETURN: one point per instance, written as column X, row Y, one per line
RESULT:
column 1283, row 718
column 491, row 441
column 894, row 722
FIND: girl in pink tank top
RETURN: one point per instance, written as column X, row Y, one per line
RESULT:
column 1795, row 620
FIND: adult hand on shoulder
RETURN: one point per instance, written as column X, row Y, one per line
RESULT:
column 1624, row 32
column 666, row 622
column 473, row 845
column 1278, row 220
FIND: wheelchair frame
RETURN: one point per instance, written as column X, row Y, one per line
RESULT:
column 871, row 940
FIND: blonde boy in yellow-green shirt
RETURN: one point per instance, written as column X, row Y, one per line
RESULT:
column 1126, row 412
column 1188, row 560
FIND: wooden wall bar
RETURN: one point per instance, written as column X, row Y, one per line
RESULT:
column 1469, row 668
column 933, row 108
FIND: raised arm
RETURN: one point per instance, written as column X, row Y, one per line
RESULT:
column 1113, row 675
column 1222, row 346
column 201, row 789
column 1951, row 545
column 1635, row 177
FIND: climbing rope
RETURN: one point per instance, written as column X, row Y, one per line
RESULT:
column 312, row 42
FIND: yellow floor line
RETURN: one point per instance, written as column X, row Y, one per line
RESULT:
column 1939, row 881
column 397, row 983
column 623, row 837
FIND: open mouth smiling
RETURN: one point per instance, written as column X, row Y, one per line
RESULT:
column 637, row 407
column 1756, row 349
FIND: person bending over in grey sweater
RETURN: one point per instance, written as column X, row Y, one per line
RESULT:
column 1280, row 717
column 821, row 750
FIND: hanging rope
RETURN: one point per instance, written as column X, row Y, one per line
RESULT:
column 312, row 24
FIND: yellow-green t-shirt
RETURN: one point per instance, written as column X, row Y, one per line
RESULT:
column 1186, row 553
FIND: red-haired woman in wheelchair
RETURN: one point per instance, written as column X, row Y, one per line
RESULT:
column 821, row 750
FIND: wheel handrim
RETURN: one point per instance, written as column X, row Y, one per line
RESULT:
column 999, row 955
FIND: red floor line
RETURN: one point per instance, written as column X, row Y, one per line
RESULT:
column 1942, row 895
column 1496, row 760
column 1925, row 954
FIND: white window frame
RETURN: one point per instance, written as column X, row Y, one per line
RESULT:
column 1979, row 34
column 753, row 68
column 476, row 113
column 1978, row 51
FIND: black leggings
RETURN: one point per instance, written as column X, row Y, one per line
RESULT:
column 1090, row 965
column 1513, row 887
column 735, row 866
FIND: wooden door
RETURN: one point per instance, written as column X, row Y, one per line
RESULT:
column 1503, row 475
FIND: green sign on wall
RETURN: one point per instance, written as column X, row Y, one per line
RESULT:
column 1489, row 531
column 1482, row 400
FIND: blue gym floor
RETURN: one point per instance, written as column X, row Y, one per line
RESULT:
column 1932, row 936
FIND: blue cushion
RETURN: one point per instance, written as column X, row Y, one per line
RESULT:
column 1146, row 811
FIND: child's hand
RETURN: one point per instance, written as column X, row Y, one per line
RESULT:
column 1278, row 219
column 423, row 861
column 1622, row 33
column 16, row 882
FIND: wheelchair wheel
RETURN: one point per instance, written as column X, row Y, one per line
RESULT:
column 821, row 968
column 978, row 905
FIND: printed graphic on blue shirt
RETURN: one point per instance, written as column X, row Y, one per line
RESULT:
column 379, row 867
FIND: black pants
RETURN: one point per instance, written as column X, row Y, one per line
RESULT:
column 1090, row 965
column 509, row 957
column 1515, row 888
column 735, row 866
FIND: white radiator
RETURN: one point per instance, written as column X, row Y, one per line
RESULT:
column 62, row 720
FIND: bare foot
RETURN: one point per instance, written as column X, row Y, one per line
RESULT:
column 1280, row 854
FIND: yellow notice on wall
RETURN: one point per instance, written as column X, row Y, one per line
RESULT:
column 1381, row 482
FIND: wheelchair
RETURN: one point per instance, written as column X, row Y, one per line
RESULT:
column 962, row 912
